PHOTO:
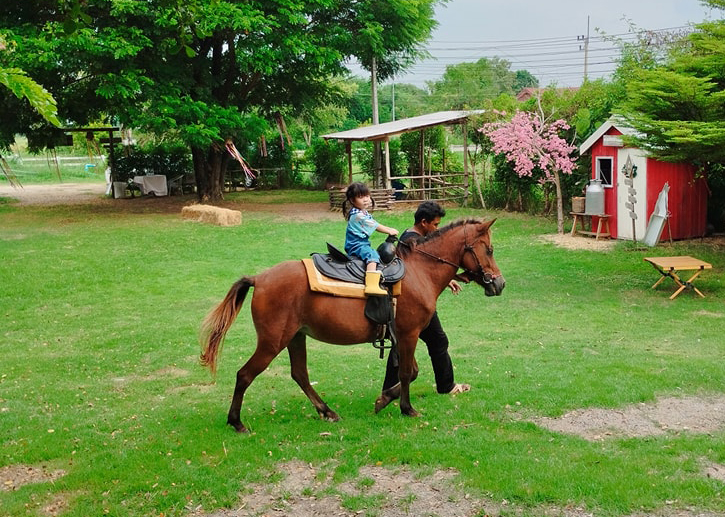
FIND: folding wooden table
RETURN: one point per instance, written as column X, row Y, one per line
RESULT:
column 669, row 266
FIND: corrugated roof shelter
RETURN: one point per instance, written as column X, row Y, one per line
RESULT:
column 383, row 133
column 398, row 127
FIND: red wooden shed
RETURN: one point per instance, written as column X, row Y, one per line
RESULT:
column 687, row 195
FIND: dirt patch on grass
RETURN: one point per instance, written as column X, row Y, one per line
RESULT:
column 307, row 491
column 56, row 193
column 94, row 194
column 578, row 242
column 13, row 477
column 668, row 415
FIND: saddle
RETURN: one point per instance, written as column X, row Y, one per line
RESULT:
column 339, row 266
column 324, row 269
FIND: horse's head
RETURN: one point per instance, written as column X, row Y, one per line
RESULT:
column 477, row 260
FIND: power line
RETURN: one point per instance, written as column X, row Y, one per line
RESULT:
column 546, row 58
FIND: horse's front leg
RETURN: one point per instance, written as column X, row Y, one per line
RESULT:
column 393, row 393
column 407, row 372
column 297, row 349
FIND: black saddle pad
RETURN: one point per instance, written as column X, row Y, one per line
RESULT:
column 353, row 269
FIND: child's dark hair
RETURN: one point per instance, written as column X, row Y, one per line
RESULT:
column 354, row 190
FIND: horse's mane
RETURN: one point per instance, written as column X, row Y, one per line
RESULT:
column 405, row 248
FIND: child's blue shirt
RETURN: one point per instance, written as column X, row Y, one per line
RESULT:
column 360, row 226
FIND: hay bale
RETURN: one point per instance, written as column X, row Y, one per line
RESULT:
column 212, row 215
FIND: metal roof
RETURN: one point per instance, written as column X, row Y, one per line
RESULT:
column 397, row 127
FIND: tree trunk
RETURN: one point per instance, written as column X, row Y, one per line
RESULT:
column 477, row 186
column 210, row 165
column 559, row 204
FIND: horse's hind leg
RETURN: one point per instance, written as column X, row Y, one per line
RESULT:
column 297, row 349
column 246, row 374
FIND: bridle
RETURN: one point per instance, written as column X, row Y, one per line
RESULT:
column 479, row 275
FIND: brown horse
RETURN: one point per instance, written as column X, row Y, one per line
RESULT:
column 285, row 311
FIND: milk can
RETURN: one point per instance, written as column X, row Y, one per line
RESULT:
column 594, row 204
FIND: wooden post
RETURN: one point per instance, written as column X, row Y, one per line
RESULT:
column 348, row 149
column 376, row 121
column 110, row 153
column 465, row 162
column 386, row 173
column 421, row 159
column 629, row 170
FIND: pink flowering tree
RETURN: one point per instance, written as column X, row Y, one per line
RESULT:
column 535, row 148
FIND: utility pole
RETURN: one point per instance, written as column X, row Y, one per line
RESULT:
column 376, row 121
column 374, row 89
column 585, row 48
column 393, row 100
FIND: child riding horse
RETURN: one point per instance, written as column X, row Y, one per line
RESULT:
column 285, row 311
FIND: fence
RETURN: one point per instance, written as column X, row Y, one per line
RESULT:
column 384, row 198
column 436, row 186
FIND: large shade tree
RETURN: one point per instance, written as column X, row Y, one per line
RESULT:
column 204, row 72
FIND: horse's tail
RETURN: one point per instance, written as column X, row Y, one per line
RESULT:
column 216, row 324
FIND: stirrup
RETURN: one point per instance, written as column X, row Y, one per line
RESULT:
column 380, row 345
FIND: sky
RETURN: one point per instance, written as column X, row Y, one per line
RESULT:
column 545, row 37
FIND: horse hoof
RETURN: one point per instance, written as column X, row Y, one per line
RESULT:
column 411, row 412
column 239, row 427
column 329, row 415
column 382, row 402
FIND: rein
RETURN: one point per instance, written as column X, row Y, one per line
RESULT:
column 479, row 275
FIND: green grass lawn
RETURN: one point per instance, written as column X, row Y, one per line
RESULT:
column 100, row 378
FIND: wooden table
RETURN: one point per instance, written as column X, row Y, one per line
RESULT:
column 602, row 225
column 669, row 266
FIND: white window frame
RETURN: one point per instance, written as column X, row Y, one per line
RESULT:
column 610, row 159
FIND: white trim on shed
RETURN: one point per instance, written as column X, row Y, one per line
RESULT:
column 612, row 122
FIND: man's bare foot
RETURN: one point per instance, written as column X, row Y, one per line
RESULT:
column 459, row 388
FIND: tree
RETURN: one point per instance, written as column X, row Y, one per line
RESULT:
column 409, row 101
column 535, row 147
column 585, row 109
column 23, row 87
column 390, row 33
column 676, row 103
column 203, row 71
column 524, row 79
column 676, row 100
column 18, row 82
column 470, row 85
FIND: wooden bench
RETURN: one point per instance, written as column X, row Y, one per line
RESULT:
column 384, row 198
column 602, row 225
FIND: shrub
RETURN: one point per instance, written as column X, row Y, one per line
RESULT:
column 328, row 159
column 169, row 160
